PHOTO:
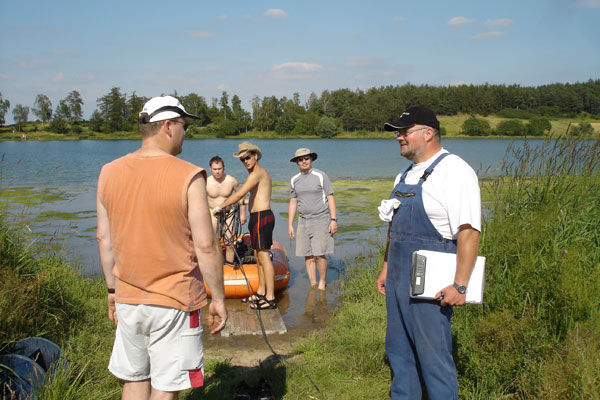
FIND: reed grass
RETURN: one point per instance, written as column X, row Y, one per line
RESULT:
column 537, row 335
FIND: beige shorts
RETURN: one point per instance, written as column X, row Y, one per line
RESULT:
column 313, row 237
column 162, row 344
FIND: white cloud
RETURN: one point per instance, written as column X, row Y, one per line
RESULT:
column 586, row 4
column 458, row 21
column 499, row 22
column 398, row 18
column 58, row 77
column 295, row 70
column 223, row 87
column 488, row 35
column 200, row 34
column 459, row 83
column 297, row 67
column 275, row 12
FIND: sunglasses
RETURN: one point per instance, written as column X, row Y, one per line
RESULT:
column 305, row 158
column 185, row 124
column 242, row 159
column 407, row 133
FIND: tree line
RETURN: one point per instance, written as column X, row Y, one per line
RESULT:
column 326, row 114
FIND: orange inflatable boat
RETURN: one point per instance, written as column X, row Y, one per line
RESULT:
column 236, row 286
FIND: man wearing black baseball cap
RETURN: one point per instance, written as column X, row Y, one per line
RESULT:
column 438, row 208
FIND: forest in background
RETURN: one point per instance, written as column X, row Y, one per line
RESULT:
column 332, row 112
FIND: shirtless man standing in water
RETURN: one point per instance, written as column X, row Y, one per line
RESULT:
column 219, row 186
column 261, row 223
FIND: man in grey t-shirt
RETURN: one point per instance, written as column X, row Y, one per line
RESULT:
column 311, row 194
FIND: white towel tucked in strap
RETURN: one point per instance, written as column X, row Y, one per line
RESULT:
column 386, row 209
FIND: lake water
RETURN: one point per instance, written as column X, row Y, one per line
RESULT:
column 68, row 171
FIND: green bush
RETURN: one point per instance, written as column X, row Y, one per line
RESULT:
column 538, row 126
column 58, row 125
column 511, row 127
column 76, row 128
column 476, row 127
column 307, row 124
column 285, row 124
column 327, row 127
column 582, row 129
column 548, row 111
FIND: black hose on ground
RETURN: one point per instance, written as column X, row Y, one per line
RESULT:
column 228, row 228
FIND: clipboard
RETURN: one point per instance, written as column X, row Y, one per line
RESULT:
column 432, row 271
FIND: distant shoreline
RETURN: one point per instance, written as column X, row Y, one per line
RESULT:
column 451, row 129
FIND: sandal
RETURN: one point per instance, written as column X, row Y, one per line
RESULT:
column 264, row 304
column 265, row 391
column 253, row 298
column 242, row 391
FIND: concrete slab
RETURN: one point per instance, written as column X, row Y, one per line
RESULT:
column 246, row 322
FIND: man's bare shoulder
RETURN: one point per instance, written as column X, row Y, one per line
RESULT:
column 262, row 173
column 231, row 180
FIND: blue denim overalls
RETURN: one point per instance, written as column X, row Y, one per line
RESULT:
column 418, row 339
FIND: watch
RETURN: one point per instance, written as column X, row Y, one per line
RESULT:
column 334, row 219
column 460, row 288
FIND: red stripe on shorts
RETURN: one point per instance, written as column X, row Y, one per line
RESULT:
column 196, row 377
column 194, row 319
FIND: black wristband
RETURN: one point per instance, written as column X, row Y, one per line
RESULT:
column 111, row 290
column 334, row 219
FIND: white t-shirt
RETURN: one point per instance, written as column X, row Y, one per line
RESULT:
column 451, row 194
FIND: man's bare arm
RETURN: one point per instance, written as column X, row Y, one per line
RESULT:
column 467, row 248
column 333, row 213
column 291, row 215
column 107, row 258
column 251, row 183
column 241, row 202
column 380, row 281
column 210, row 258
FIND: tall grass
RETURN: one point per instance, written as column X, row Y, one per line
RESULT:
column 44, row 296
column 537, row 335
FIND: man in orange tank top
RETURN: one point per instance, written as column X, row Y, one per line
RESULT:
column 157, row 248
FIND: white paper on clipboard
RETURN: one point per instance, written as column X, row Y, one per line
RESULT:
column 439, row 272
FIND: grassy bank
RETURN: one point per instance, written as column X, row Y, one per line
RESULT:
column 44, row 296
column 536, row 336
column 451, row 124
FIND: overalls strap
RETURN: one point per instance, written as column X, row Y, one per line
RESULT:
column 427, row 172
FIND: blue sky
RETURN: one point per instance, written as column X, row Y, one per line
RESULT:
column 280, row 47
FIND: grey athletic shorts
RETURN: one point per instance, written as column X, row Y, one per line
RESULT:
column 313, row 238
